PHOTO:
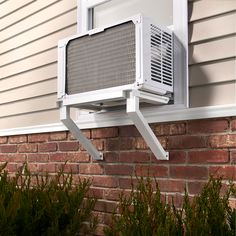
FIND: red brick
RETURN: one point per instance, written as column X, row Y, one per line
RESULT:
column 170, row 129
column 188, row 172
column 118, row 170
column 226, row 172
column 105, row 181
column 222, row 141
column 73, row 157
column 8, row 148
column 112, row 144
column 99, row 144
column 233, row 157
column 152, row 171
column 232, row 203
column 129, row 131
column 186, row 142
column 195, row 187
column 47, row 147
column 4, row 158
column 28, row 147
column 35, row 138
column 58, row 136
column 99, row 231
column 140, row 144
column 112, row 194
column 207, row 126
column 93, row 169
column 126, row 143
column 178, row 157
column 3, row 140
column 95, row 192
column 48, row 168
column 86, row 132
column 13, row 157
column 134, row 157
column 69, row 168
column 105, row 206
column 104, row 218
column 105, row 133
column 127, row 183
column 17, row 139
column 33, row 167
column 171, row 185
column 17, row 157
column 11, row 168
column 68, row 146
column 233, row 125
column 38, row 157
column 176, row 199
column 208, row 156
column 111, row 157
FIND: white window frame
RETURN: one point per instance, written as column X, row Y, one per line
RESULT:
column 177, row 112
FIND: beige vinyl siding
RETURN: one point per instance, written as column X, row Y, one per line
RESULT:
column 212, row 52
column 29, row 34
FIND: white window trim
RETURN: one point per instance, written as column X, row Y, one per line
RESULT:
column 171, row 113
column 121, row 118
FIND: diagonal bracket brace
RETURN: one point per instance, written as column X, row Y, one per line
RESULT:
column 133, row 111
column 72, row 126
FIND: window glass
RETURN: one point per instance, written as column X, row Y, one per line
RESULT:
column 161, row 11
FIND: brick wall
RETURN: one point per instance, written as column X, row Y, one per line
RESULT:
column 197, row 149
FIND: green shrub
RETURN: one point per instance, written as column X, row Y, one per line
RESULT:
column 210, row 213
column 41, row 205
column 142, row 213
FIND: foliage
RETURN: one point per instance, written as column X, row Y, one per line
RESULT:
column 143, row 213
column 41, row 205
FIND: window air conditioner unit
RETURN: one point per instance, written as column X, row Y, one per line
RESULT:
column 131, row 54
column 100, row 67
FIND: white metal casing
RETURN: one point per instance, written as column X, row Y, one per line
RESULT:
column 143, row 56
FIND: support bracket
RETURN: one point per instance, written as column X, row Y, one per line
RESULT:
column 133, row 111
column 72, row 126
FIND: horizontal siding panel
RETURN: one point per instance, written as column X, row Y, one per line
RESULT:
column 36, row 46
column 207, row 8
column 43, row 30
column 34, row 90
column 27, row 11
column 10, row 6
column 31, row 119
column 213, row 50
column 29, row 77
column 30, row 105
column 214, row 27
column 215, row 72
column 40, row 17
column 30, row 63
column 212, row 95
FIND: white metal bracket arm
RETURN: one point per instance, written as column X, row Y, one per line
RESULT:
column 72, row 126
column 133, row 111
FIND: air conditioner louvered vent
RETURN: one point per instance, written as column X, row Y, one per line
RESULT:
column 102, row 60
column 161, row 56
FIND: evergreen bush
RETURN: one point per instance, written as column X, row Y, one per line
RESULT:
column 143, row 213
column 43, row 205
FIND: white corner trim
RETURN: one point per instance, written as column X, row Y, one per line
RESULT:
column 120, row 118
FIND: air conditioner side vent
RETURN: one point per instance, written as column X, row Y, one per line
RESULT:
column 161, row 56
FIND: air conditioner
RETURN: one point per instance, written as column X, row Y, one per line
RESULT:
column 130, row 61
column 131, row 54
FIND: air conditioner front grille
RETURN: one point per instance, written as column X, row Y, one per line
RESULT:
column 161, row 56
column 102, row 60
